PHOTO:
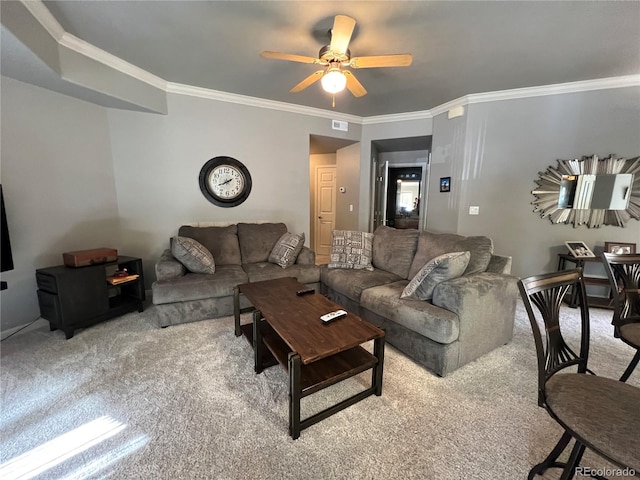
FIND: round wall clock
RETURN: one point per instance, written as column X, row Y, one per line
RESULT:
column 225, row 182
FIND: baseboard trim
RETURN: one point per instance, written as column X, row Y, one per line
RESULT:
column 37, row 323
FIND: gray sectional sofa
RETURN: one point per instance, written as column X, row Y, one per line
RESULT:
column 241, row 253
column 467, row 317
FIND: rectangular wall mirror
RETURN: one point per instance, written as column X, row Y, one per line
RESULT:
column 608, row 192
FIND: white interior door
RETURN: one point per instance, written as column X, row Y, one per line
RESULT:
column 325, row 214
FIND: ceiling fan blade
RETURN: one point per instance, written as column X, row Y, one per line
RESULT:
column 310, row 80
column 399, row 60
column 354, row 85
column 341, row 33
column 288, row 56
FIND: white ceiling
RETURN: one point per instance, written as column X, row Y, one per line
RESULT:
column 459, row 48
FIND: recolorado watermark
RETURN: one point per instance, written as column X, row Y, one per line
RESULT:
column 605, row 472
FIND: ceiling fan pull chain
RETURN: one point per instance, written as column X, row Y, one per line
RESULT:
column 333, row 104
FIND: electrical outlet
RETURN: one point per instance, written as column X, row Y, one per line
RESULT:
column 474, row 210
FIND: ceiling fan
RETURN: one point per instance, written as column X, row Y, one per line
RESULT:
column 336, row 58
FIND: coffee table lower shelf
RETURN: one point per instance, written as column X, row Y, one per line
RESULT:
column 323, row 373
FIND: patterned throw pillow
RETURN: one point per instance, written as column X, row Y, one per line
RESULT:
column 286, row 249
column 351, row 249
column 193, row 255
column 437, row 270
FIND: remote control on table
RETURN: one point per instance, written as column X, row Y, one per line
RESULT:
column 305, row 291
column 333, row 315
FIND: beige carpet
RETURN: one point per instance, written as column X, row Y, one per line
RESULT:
column 128, row 400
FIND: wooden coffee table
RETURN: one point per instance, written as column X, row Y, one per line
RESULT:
column 287, row 329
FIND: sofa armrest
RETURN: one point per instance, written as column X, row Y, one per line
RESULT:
column 306, row 257
column 485, row 304
column 499, row 264
column 168, row 267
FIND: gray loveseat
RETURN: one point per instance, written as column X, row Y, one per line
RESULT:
column 467, row 317
column 241, row 252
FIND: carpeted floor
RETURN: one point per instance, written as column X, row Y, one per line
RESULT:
column 128, row 400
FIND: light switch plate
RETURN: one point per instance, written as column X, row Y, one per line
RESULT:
column 474, row 210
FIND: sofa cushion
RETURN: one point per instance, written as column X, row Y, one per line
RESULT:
column 438, row 324
column 286, row 250
column 443, row 267
column 167, row 266
column 431, row 245
column 222, row 242
column 193, row 255
column 351, row 283
column 306, row 257
column 197, row 286
column 393, row 249
column 258, row 272
column 351, row 249
column 258, row 239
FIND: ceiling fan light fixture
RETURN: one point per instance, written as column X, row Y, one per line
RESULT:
column 335, row 58
column 334, row 81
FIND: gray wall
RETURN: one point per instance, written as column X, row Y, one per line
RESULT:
column 78, row 176
column 408, row 157
column 347, row 176
column 157, row 160
column 412, row 157
column 58, row 184
column 381, row 131
column 508, row 142
column 447, row 158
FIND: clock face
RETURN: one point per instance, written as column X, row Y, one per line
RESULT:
column 225, row 181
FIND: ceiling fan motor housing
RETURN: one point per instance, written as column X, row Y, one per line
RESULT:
column 327, row 55
column 336, row 60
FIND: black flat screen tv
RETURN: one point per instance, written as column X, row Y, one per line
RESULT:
column 6, row 262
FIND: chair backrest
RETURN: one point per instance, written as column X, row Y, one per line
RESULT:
column 546, row 292
column 623, row 271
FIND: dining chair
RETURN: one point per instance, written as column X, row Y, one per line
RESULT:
column 596, row 412
column 623, row 271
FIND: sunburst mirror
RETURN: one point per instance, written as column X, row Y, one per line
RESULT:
column 590, row 191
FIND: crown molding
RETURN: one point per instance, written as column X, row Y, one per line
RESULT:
column 445, row 107
column 517, row 93
column 209, row 94
column 529, row 92
column 38, row 9
column 555, row 89
column 42, row 14
column 94, row 53
column 398, row 117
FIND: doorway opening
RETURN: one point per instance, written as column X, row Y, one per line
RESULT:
column 331, row 167
column 400, row 170
column 403, row 197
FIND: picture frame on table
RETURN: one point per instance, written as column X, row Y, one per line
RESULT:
column 619, row 247
column 579, row 249
column 445, row 184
